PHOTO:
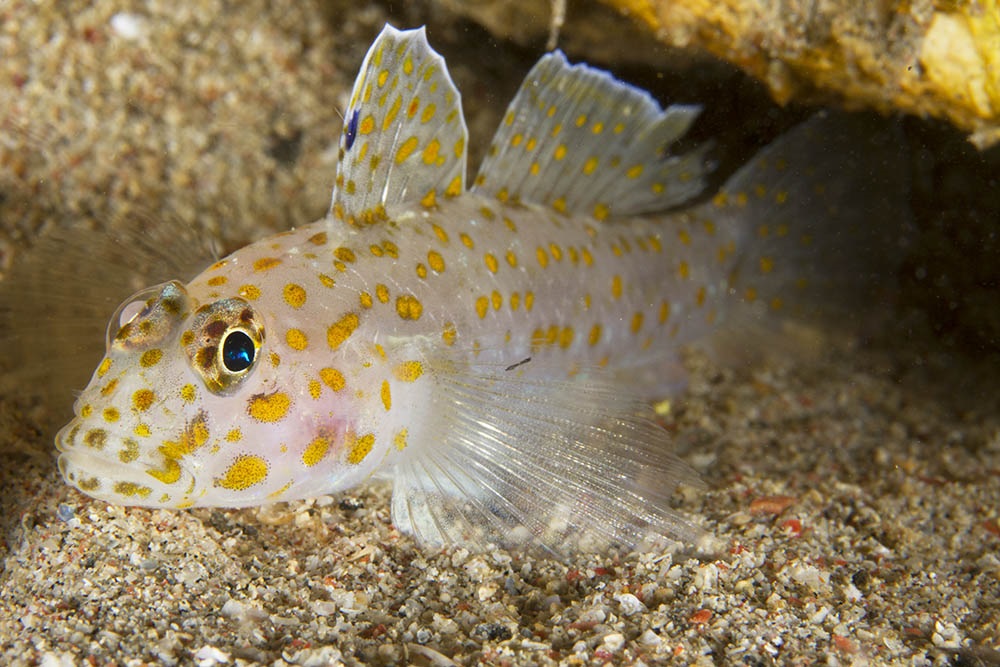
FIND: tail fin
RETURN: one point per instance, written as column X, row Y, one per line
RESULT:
column 824, row 226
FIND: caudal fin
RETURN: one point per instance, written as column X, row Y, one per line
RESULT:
column 823, row 223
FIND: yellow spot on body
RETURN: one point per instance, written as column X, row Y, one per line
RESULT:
column 104, row 367
column 482, row 306
column 399, row 440
column 454, row 188
column 86, row 411
column 408, row 371
column 431, row 155
column 360, row 448
column 109, row 388
column 529, row 300
column 142, row 430
column 429, row 200
column 341, row 330
column 515, row 301
column 326, row 280
column 491, row 262
column 315, row 389
column 588, row 259
column 497, row 300
column 315, row 451
column 449, row 334
column 386, row 394
column 428, row 113
column 266, row 263
column 188, row 393
column 406, row 149
column 566, row 337
column 590, row 166
column 294, row 295
column 275, row 359
column 683, row 270
column 636, row 323
column 440, row 233
column 466, row 240
column 601, row 211
column 616, row 286
column 143, row 399
column 543, row 259
column 766, row 265
column 664, row 311
column 234, row 435
column 246, row 471
column 409, row 307
column 296, row 339
column 150, row 357
column 781, row 197
column 390, row 115
column 111, row 415
column 269, row 408
column 345, row 255
column 332, row 378
column 560, row 152
column 595, row 334
column 435, row 261
column 597, row 128
column 560, row 204
column 382, row 293
column 130, row 489
column 250, row 292
column 217, row 280
column 634, row 172
column 556, row 252
column 96, row 438
column 318, row 239
column 421, row 270
column 700, row 297
column 365, row 299
column 129, row 451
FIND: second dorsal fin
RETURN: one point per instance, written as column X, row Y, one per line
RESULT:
column 578, row 140
column 404, row 136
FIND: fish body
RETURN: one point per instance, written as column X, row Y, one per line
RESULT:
column 488, row 348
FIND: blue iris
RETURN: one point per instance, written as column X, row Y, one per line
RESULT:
column 237, row 351
column 352, row 131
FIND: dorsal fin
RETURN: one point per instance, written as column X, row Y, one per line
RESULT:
column 578, row 140
column 404, row 136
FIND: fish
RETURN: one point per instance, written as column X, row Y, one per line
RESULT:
column 490, row 347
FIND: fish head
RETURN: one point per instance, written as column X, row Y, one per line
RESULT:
column 188, row 408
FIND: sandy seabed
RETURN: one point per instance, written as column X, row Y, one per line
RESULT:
column 854, row 498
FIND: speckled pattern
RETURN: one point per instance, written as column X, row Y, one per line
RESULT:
column 854, row 499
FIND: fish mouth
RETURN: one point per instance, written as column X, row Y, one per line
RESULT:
column 116, row 468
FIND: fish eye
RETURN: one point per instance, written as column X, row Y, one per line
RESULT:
column 238, row 351
column 223, row 343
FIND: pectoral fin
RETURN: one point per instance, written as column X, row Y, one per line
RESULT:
column 567, row 465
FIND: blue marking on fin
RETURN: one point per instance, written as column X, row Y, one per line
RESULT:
column 351, row 132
